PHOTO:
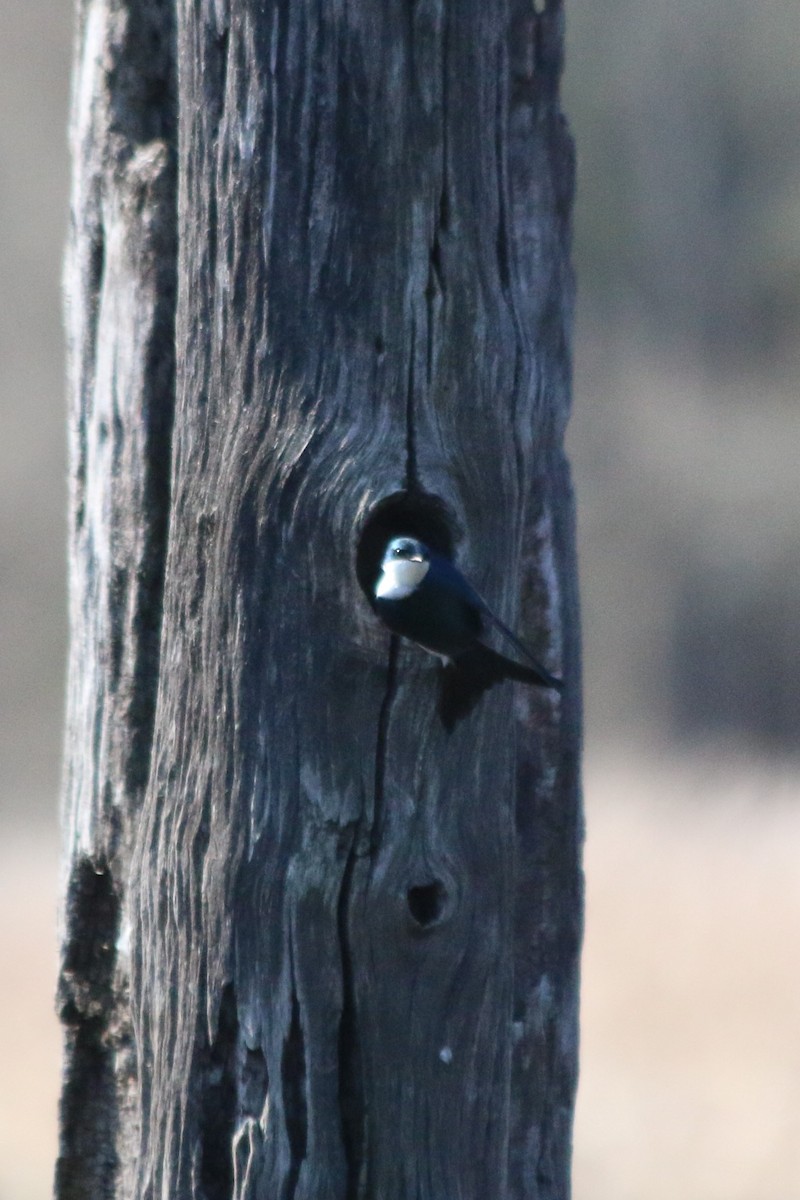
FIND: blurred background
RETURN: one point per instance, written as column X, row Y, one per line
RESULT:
column 685, row 442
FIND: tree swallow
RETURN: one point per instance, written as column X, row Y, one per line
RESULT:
column 420, row 595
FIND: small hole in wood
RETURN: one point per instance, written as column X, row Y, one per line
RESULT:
column 418, row 514
column 426, row 902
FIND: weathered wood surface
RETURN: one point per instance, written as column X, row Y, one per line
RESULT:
column 315, row 945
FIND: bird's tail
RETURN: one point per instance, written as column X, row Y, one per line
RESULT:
column 489, row 663
column 474, row 672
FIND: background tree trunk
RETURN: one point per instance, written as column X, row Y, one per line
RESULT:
column 315, row 945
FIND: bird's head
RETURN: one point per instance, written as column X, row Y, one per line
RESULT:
column 405, row 549
column 404, row 566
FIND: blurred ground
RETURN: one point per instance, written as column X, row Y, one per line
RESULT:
column 30, row 1042
column 690, row 1068
column 684, row 442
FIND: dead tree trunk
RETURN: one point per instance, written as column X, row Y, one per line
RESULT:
column 315, row 944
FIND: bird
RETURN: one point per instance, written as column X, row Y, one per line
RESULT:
column 422, row 596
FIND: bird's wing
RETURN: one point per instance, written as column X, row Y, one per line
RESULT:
column 450, row 576
column 543, row 675
column 460, row 585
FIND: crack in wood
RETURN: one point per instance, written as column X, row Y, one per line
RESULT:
column 295, row 1103
column 433, row 294
column 87, row 1160
column 381, row 748
column 434, row 290
column 253, row 1082
column 351, row 1092
column 351, row 1088
column 218, row 1103
column 412, row 476
column 501, row 141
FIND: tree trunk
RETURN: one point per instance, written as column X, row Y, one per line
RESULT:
column 317, row 944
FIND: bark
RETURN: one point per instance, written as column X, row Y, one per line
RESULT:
column 315, row 943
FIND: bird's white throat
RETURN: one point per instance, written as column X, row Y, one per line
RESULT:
column 400, row 577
